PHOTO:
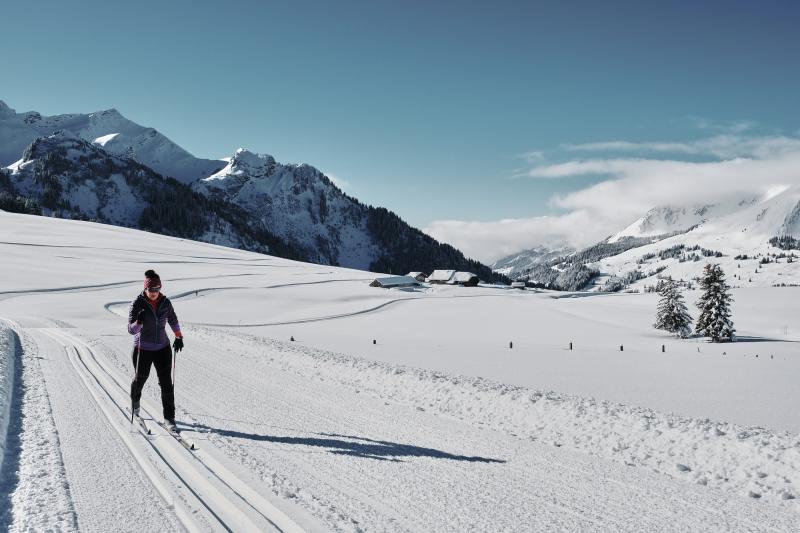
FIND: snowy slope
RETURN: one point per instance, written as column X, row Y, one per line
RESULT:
column 516, row 263
column 679, row 241
column 663, row 220
column 744, row 231
column 437, row 426
column 109, row 129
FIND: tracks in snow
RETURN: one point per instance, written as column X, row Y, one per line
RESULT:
column 205, row 495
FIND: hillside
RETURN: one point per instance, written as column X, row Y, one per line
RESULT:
column 65, row 176
column 679, row 241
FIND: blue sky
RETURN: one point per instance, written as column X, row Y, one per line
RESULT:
column 423, row 107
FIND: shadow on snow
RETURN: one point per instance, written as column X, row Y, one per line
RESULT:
column 352, row 446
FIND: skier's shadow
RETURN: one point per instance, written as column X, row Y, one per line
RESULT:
column 353, row 446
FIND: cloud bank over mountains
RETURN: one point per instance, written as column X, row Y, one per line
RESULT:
column 632, row 177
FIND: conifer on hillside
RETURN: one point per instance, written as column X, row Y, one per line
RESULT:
column 715, row 313
column 671, row 313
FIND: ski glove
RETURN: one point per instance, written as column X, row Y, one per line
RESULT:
column 178, row 344
column 140, row 316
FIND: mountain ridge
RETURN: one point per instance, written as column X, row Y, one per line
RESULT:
column 254, row 202
column 739, row 234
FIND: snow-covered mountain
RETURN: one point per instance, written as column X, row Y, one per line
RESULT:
column 108, row 129
column 299, row 203
column 739, row 240
column 66, row 176
column 664, row 220
column 305, row 208
column 90, row 166
column 678, row 241
column 515, row 263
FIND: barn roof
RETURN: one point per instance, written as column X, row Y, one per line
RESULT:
column 395, row 281
column 463, row 277
column 441, row 275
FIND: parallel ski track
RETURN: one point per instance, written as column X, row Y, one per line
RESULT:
column 191, row 475
column 108, row 307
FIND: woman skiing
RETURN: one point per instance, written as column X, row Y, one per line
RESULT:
column 147, row 319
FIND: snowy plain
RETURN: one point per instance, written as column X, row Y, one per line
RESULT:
column 391, row 410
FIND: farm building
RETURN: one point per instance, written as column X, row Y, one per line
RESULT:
column 441, row 276
column 453, row 277
column 395, row 281
column 467, row 279
column 419, row 276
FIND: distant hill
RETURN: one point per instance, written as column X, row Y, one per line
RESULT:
column 755, row 240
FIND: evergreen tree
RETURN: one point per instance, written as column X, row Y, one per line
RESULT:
column 715, row 314
column 671, row 313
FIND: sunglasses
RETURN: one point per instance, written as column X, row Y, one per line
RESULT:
column 153, row 289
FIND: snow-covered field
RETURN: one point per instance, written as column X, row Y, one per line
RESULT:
column 390, row 410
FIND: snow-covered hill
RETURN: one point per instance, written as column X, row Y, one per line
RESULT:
column 108, row 129
column 726, row 239
column 66, row 176
column 679, row 241
column 666, row 220
column 526, row 259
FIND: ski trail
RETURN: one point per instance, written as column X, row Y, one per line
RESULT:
column 349, row 314
column 155, row 252
column 212, row 484
column 83, row 288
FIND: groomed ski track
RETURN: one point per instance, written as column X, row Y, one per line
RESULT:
column 204, row 494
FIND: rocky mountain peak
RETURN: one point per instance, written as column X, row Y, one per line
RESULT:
column 5, row 111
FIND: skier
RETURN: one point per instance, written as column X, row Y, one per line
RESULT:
column 147, row 318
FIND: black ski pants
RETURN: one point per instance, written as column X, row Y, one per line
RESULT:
column 162, row 360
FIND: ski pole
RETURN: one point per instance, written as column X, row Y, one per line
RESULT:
column 173, row 368
column 136, row 375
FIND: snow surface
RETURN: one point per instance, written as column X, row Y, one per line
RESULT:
column 7, row 357
column 103, row 140
column 438, row 426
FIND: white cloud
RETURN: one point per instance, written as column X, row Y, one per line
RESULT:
column 630, row 187
column 532, row 156
column 489, row 241
column 718, row 146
